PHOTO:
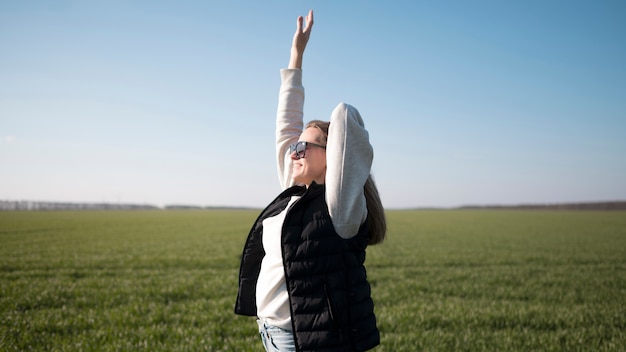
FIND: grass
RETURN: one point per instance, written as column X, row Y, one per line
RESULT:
column 443, row 280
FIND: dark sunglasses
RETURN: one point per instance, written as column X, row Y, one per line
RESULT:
column 300, row 148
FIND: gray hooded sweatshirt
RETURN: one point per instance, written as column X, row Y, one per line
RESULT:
column 349, row 154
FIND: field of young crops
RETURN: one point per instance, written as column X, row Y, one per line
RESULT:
column 446, row 280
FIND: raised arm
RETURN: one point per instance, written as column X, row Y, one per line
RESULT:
column 349, row 157
column 289, row 116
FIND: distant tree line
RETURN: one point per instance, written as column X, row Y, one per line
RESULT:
column 616, row 205
column 21, row 205
column 36, row 205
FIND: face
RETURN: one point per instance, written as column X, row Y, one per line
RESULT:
column 313, row 166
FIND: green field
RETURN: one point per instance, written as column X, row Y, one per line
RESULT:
column 447, row 280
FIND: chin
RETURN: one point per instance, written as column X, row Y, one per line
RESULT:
column 300, row 181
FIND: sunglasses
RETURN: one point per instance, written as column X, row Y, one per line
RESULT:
column 300, row 148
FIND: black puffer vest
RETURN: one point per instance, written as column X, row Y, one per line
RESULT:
column 329, row 296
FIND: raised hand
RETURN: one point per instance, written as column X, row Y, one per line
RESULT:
column 300, row 39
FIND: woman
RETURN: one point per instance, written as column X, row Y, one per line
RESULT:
column 302, row 270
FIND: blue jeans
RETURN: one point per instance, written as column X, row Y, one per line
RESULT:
column 276, row 339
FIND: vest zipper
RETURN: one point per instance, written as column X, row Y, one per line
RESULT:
column 331, row 311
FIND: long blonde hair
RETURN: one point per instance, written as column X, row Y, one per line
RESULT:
column 376, row 220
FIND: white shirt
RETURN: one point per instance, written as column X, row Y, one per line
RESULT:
column 272, row 299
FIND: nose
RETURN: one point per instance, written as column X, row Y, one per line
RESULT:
column 294, row 155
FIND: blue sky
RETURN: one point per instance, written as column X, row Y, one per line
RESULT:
column 173, row 102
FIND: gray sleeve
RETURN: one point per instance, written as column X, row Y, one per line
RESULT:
column 349, row 156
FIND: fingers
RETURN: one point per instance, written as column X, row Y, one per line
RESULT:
column 309, row 21
column 299, row 24
column 308, row 24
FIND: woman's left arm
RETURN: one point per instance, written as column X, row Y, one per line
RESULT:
column 349, row 156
